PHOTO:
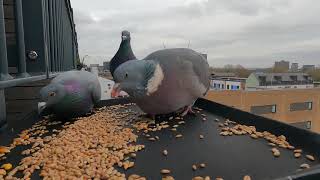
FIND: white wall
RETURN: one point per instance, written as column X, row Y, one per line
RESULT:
column 106, row 88
column 225, row 84
column 233, row 83
column 287, row 87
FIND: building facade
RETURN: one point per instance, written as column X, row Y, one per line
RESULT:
column 265, row 81
column 306, row 68
column 297, row 107
column 294, row 67
column 282, row 65
column 106, row 66
column 227, row 83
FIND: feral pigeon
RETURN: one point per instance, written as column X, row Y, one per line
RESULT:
column 71, row 94
column 165, row 81
column 124, row 52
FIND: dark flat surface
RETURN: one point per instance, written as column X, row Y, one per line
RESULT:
column 227, row 157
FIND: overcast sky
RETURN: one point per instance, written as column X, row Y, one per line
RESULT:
column 253, row 33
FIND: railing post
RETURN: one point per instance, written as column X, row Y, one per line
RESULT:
column 22, row 70
column 4, row 75
column 3, row 118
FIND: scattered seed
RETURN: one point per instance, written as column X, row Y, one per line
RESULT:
column 201, row 136
column 7, row 166
column 151, row 139
column 165, row 152
column 221, row 125
column 194, row 167
column 225, row 133
column 254, row 136
column 181, row 122
column 203, row 115
column 204, row 119
column 3, row 172
column 174, row 129
column 136, row 177
column 207, row 178
column 178, row 135
column 202, row 165
column 157, row 137
column 246, row 177
column 167, row 178
column 297, row 151
column 272, row 144
column 133, row 155
column 297, row 155
column 310, row 157
column 219, row 178
column 217, row 120
column 197, row 178
column 4, row 150
column 305, row 166
column 175, row 126
column 291, row 147
column 276, row 152
column 165, row 171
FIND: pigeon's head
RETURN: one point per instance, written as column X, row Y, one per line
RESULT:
column 138, row 78
column 125, row 35
column 50, row 95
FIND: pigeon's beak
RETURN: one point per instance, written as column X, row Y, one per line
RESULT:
column 116, row 90
column 41, row 107
column 124, row 38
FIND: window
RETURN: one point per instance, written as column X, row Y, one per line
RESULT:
column 222, row 86
column 301, row 106
column 267, row 109
column 238, row 87
column 303, row 125
column 228, row 86
column 214, row 85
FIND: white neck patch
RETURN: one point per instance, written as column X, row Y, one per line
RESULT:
column 155, row 81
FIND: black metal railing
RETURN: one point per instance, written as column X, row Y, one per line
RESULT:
column 44, row 40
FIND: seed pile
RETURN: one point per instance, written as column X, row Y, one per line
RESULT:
column 91, row 147
column 96, row 147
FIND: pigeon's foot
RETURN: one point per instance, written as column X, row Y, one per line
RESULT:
column 188, row 111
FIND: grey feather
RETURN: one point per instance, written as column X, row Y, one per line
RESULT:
column 75, row 93
column 185, row 79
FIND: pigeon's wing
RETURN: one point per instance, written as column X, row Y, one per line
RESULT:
column 200, row 67
column 186, row 62
column 95, row 89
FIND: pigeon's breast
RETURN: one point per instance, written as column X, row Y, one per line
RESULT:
column 169, row 97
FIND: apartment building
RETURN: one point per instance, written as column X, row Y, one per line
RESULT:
column 297, row 107
column 267, row 81
column 228, row 83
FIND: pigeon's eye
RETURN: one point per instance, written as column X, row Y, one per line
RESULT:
column 126, row 75
column 51, row 94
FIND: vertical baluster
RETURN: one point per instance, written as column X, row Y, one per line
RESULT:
column 4, row 75
column 20, row 40
column 51, row 23
column 2, row 109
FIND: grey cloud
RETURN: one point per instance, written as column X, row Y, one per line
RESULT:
column 250, row 32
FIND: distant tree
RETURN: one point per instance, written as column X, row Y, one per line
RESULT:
column 315, row 74
column 278, row 70
column 238, row 70
column 80, row 64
